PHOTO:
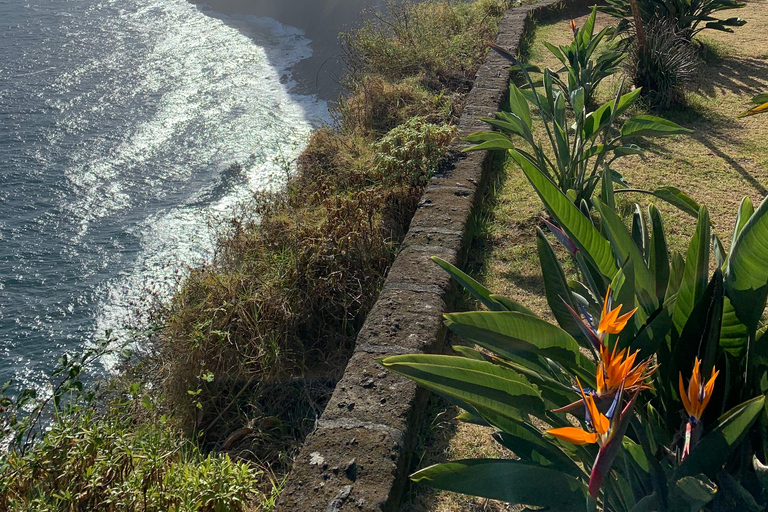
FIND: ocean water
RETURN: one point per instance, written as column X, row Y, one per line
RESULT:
column 119, row 123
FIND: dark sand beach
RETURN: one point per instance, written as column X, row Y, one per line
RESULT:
column 321, row 20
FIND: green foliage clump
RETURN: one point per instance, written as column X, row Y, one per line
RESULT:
column 410, row 152
column 662, row 66
column 689, row 17
column 104, row 446
column 104, row 462
column 441, row 43
column 672, row 394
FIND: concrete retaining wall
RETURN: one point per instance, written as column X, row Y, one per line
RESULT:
column 359, row 456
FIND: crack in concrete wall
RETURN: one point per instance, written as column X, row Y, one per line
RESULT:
column 359, row 455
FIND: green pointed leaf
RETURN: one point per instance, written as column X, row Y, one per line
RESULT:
column 512, row 481
column 696, row 271
column 658, row 255
column 475, row 289
column 519, row 105
column 709, row 455
column 625, row 248
column 676, row 270
column 469, row 352
column 556, row 289
column 645, row 126
column 746, row 210
column 511, row 334
column 512, row 305
column 733, row 333
column 746, row 278
column 529, row 444
column 578, row 228
column 478, row 383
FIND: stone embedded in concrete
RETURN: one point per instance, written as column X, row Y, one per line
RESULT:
column 372, row 394
column 484, row 99
column 469, row 125
column 445, row 238
column 416, row 267
column 461, row 170
column 443, row 208
column 403, row 320
column 343, row 469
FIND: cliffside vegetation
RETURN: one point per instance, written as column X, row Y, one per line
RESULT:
column 247, row 351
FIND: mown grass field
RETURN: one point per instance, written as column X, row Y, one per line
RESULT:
column 724, row 159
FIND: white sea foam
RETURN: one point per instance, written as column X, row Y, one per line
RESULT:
column 227, row 99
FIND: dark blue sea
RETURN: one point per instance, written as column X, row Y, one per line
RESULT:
column 119, row 123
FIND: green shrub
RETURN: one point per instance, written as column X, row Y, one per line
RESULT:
column 582, row 145
column 662, row 66
column 689, row 16
column 411, row 152
column 102, row 447
column 105, row 462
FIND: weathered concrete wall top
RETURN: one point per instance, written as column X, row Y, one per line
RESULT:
column 358, row 457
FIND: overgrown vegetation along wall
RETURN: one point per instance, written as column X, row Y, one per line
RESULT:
column 295, row 277
column 359, row 455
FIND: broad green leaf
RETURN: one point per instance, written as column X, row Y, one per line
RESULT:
column 697, row 491
column 700, row 336
column 671, row 195
column 511, row 334
column 650, row 503
column 644, row 126
column 519, row 105
column 658, row 255
column 578, row 228
column 475, row 289
column 743, row 500
column 713, row 450
column 529, row 444
column 696, row 271
column 556, row 288
column 492, row 145
column 469, row 352
column 512, row 481
column 676, row 270
column 511, row 305
column 746, row 210
column 478, row 383
column 678, row 198
column 746, row 278
column 733, row 333
column 484, row 136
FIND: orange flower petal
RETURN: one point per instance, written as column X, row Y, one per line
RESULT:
column 573, row 435
column 684, row 396
column 708, row 391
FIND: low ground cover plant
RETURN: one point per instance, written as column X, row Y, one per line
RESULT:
column 91, row 445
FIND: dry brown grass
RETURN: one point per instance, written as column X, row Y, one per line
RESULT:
column 725, row 159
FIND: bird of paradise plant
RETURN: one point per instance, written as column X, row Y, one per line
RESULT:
column 522, row 375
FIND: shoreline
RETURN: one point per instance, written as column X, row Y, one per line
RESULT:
column 321, row 22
